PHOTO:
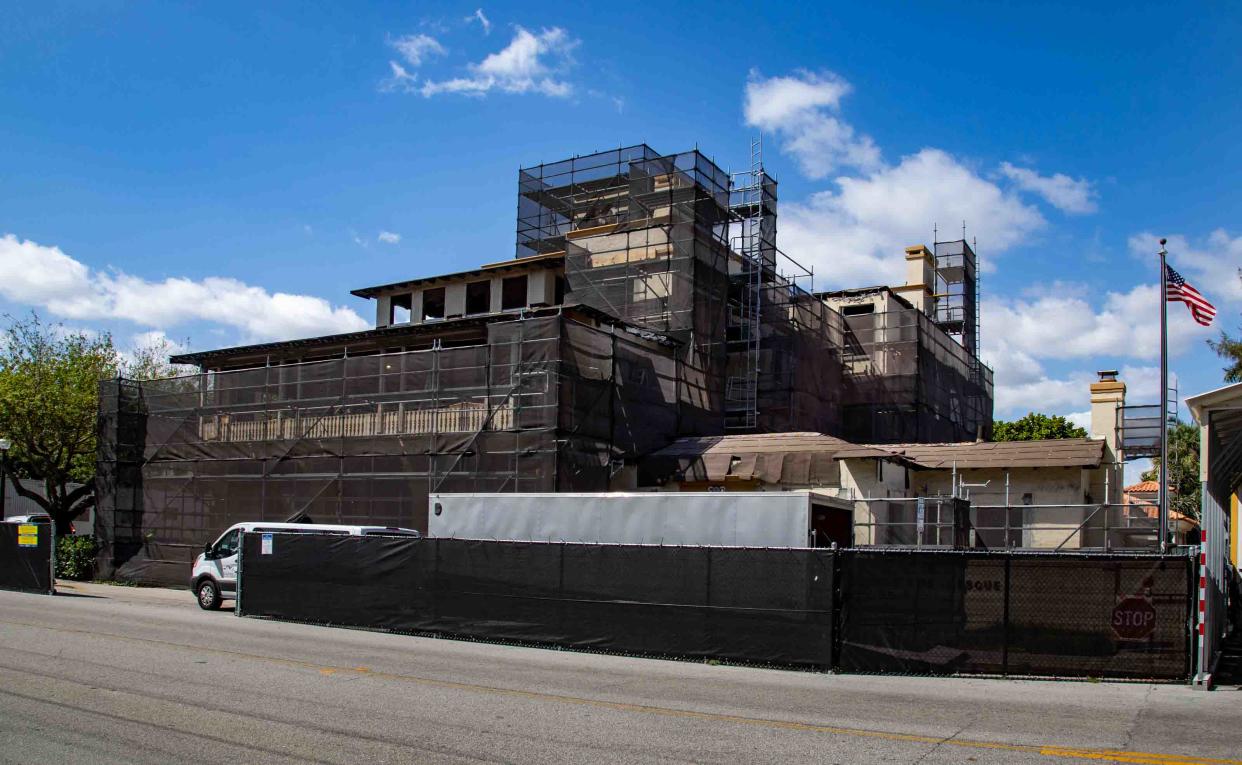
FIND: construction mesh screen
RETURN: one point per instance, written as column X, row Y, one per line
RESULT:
column 1069, row 615
column 754, row 605
column 545, row 404
column 666, row 243
column 909, row 382
column 893, row 611
column 26, row 557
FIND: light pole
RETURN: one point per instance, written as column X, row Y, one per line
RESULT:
column 4, row 451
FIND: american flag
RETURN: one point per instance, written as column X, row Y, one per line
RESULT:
column 1178, row 291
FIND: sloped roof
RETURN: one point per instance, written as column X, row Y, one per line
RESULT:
column 1057, row 452
column 758, row 442
column 801, row 458
column 790, row 458
column 1143, row 487
column 546, row 260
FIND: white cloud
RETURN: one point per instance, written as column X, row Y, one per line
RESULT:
column 1070, row 393
column 1143, row 383
column 530, row 63
column 389, row 237
column 401, row 79
column 28, row 268
column 1061, row 191
column 417, row 48
column 802, row 110
column 156, row 338
column 856, row 234
column 855, row 231
column 1212, row 268
column 1043, row 394
column 1063, row 323
column 481, row 18
column 1081, row 419
column 45, row 277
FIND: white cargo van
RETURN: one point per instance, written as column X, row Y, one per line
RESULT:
column 214, row 576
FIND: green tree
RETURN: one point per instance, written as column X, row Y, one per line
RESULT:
column 1229, row 348
column 1035, row 427
column 49, row 388
column 150, row 362
column 49, row 402
column 1184, row 486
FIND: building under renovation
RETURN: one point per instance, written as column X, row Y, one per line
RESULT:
column 647, row 302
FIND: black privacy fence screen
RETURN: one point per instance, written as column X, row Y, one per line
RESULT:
column 850, row 610
column 26, row 557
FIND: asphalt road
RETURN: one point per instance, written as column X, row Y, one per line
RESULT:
column 125, row 675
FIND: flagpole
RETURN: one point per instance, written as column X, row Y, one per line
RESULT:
column 1163, row 522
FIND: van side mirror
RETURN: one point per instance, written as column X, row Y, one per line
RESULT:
column 207, row 548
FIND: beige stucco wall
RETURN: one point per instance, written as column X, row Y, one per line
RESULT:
column 876, row 479
column 540, row 291
column 1042, row 526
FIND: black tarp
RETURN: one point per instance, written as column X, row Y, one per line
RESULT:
column 1024, row 614
column 763, row 605
column 544, row 403
column 901, row 611
column 24, row 566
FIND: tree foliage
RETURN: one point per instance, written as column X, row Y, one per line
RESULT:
column 49, row 402
column 1184, row 486
column 49, row 388
column 1034, row 427
column 1229, row 348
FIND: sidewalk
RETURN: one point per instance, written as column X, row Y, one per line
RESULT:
column 178, row 596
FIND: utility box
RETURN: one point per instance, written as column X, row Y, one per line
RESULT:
column 718, row 519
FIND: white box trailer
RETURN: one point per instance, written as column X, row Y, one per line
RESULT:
column 730, row 519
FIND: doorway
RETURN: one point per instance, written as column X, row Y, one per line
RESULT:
column 831, row 525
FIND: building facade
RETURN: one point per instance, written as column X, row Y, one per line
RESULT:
column 647, row 302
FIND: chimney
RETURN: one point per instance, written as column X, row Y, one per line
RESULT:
column 920, row 279
column 1108, row 395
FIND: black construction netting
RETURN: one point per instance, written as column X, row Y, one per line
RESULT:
column 1021, row 614
column 543, row 404
column 853, row 610
column 754, row 605
column 26, row 557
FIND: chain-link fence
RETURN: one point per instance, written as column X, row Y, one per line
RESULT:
column 768, row 605
column 1020, row 614
column 907, row 611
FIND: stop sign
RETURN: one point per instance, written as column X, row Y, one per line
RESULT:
column 1134, row 619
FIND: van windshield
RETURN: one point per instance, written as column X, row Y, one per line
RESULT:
column 228, row 544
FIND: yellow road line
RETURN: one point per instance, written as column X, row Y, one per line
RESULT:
column 1046, row 750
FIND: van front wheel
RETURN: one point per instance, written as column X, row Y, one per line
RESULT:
column 208, row 595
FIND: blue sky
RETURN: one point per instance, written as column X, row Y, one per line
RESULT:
column 225, row 173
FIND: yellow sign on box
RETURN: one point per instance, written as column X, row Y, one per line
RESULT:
column 27, row 535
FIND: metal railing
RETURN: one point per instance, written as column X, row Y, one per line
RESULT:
column 942, row 522
column 291, row 424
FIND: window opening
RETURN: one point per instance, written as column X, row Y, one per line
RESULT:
column 478, row 297
column 433, row 304
column 399, row 309
column 513, row 293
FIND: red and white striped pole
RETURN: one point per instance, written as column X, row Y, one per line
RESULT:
column 1202, row 590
